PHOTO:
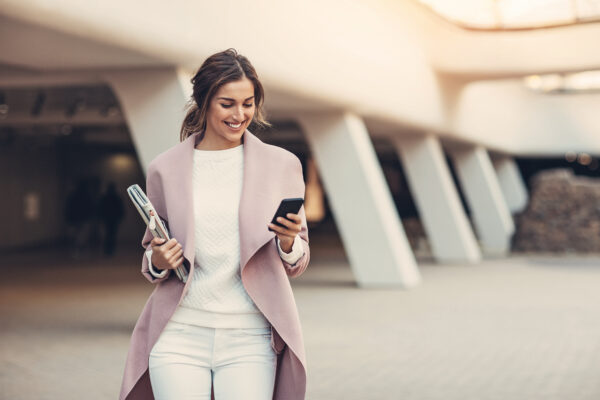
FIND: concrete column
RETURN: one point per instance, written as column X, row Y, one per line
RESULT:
column 153, row 101
column 366, row 216
column 490, row 213
column 436, row 197
column 511, row 182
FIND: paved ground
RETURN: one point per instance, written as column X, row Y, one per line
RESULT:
column 520, row 328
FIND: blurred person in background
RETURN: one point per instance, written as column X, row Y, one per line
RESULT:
column 111, row 212
column 79, row 213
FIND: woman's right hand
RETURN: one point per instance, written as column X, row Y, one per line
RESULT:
column 167, row 255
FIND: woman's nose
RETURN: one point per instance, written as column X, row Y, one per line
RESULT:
column 238, row 114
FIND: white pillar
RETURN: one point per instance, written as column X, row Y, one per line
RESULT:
column 511, row 182
column 365, row 214
column 479, row 182
column 436, row 197
column 153, row 101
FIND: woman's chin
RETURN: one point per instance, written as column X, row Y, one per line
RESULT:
column 232, row 138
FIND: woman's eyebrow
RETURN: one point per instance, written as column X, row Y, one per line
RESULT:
column 230, row 99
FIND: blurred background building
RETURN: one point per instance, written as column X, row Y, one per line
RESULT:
column 420, row 124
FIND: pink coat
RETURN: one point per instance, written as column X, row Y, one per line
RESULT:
column 270, row 175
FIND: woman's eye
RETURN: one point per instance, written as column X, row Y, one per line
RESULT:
column 231, row 105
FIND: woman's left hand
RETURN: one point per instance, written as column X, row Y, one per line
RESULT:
column 287, row 234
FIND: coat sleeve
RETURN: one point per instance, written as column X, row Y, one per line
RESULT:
column 156, row 197
column 300, row 266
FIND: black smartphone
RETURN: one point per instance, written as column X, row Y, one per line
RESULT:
column 286, row 206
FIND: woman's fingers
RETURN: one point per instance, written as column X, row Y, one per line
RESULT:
column 175, row 263
column 178, row 263
column 176, row 256
column 294, row 217
column 156, row 242
column 291, row 225
column 160, row 243
column 168, row 254
column 170, row 247
column 283, row 231
column 171, row 244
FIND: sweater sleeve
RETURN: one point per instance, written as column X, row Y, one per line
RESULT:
column 153, row 270
column 293, row 256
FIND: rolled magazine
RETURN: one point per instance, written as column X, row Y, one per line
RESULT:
column 153, row 221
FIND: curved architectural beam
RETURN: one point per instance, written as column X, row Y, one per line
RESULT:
column 506, row 116
column 303, row 50
column 403, row 67
column 502, row 54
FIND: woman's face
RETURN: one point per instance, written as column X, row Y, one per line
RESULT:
column 229, row 113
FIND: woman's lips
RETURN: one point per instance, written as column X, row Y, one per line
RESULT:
column 234, row 126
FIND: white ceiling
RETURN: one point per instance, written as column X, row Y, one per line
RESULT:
column 43, row 49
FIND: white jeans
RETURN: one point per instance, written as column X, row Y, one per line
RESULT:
column 187, row 360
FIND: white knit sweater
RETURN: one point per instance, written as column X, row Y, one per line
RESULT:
column 216, row 296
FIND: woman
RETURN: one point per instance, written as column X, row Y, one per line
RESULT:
column 232, row 329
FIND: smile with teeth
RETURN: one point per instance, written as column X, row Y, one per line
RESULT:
column 234, row 126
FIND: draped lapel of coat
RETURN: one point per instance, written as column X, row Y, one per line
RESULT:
column 256, row 205
column 179, row 181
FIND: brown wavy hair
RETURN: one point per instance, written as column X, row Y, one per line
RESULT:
column 217, row 70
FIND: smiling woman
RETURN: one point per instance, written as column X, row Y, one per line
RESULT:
column 232, row 330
